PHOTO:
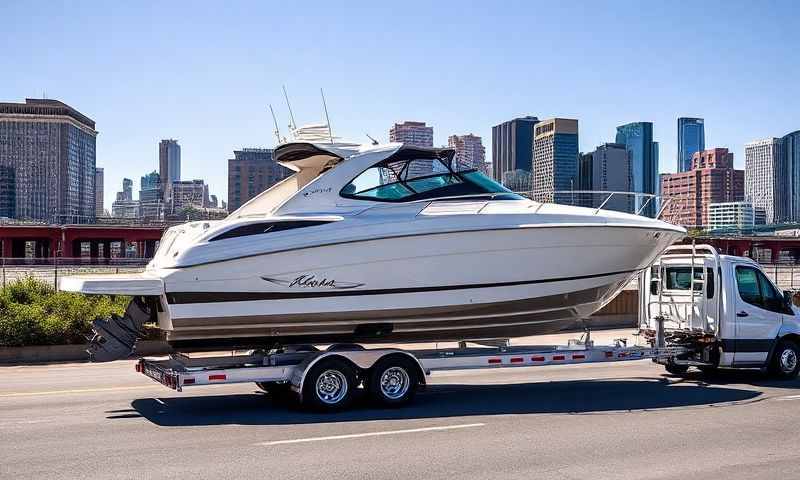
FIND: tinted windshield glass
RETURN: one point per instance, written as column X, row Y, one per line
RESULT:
column 414, row 178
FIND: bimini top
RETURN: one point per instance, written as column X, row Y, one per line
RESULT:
column 340, row 178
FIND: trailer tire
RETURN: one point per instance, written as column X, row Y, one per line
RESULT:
column 329, row 385
column 393, row 381
column 786, row 360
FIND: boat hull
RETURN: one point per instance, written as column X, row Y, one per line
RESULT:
column 452, row 286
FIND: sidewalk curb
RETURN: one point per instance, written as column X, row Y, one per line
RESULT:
column 68, row 353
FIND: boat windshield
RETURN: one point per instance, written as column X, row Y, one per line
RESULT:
column 417, row 178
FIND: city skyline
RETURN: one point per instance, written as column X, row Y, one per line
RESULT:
column 165, row 88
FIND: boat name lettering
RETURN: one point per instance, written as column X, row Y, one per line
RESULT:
column 317, row 190
column 309, row 280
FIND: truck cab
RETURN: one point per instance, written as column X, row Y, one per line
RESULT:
column 724, row 308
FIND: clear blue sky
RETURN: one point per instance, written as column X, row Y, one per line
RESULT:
column 204, row 72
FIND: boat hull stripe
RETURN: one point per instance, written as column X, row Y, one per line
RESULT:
column 178, row 298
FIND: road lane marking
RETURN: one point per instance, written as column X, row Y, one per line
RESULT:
column 64, row 392
column 789, row 397
column 370, row 434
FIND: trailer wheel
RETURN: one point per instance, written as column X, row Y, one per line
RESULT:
column 329, row 385
column 786, row 360
column 393, row 381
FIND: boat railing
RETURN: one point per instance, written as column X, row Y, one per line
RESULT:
column 646, row 204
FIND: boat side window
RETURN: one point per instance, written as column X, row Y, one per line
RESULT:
column 266, row 227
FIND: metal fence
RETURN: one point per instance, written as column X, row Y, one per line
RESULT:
column 50, row 269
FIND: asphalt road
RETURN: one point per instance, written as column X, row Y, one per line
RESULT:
column 623, row 420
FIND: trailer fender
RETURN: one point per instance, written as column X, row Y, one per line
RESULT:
column 361, row 360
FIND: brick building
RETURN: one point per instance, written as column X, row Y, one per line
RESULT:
column 712, row 179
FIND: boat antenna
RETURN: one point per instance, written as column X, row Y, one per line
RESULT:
column 374, row 142
column 277, row 129
column 292, row 124
column 327, row 118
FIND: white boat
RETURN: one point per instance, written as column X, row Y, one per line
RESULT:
column 380, row 243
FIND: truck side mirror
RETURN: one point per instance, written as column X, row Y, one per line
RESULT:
column 788, row 297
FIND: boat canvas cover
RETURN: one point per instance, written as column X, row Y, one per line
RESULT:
column 133, row 284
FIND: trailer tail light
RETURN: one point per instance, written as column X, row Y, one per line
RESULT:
column 558, row 357
column 139, row 366
column 517, row 359
column 217, row 377
column 495, row 361
column 537, row 359
column 579, row 356
column 188, row 381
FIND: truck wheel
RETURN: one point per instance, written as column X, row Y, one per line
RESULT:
column 393, row 381
column 329, row 385
column 676, row 369
column 786, row 360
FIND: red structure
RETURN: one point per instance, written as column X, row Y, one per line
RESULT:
column 712, row 179
column 94, row 241
column 763, row 249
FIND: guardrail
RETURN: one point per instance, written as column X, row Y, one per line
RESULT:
column 50, row 269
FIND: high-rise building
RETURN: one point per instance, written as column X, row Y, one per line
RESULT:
column 151, row 199
column 213, row 202
column 790, row 159
column 415, row 134
column 99, row 191
column 606, row 169
column 8, row 192
column 169, row 165
column 470, row 152
column 127, row 191
column 48, row 149
column 125, row 206
column 691, row 139
column 150, row 181
column 188, row 194
column 731, row 215
column 250, row 172
column 712, row 179
column 765, row 185
column 512, row 149
column 643, row 154
column 555, row 157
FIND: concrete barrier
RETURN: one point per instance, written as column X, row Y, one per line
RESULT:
column 68, row 353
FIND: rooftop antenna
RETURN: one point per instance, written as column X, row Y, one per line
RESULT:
column 327, row 119
column 275, row 121
column 292, row 125
column 374, row 142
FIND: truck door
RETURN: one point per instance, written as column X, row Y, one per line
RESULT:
column 758, row 309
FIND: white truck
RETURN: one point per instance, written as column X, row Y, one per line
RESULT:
column 697, row 309
column 723, row 308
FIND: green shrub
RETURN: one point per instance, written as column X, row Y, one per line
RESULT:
column 33, row 313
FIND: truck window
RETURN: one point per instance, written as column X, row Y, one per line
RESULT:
column 747, row 284
column 680, row 278
column 770, row 296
